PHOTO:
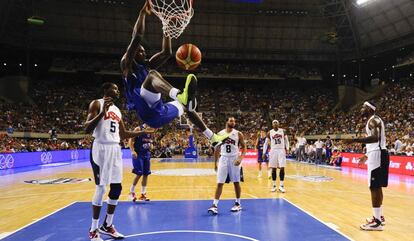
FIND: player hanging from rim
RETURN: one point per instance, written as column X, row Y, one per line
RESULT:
column 105, row 120
column 144, row 85
column 378, row 162
column 229, row 166
column 261, row 139
column 279, row 146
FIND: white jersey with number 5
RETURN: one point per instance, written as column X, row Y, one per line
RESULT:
column 230, row 146
column 277, row 139
column 107, row 130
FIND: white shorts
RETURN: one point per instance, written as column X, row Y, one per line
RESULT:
column 277, row 158
column 149, row 97
column 373, row 162
column 152, row 98
column 106, row 161
column 226, row 168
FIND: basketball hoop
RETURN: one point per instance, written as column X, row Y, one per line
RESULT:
column 175, row 15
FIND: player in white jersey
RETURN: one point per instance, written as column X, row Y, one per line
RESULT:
column 229, row 164
column 279, row 147
column 105, row 120
column 377, row 159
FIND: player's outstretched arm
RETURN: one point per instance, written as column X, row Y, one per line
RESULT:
column 158, row 59
column 137, row 36
column 94, row 116
column 287, row 144
column 375, row 126
column 266, row 144
column 124, row 134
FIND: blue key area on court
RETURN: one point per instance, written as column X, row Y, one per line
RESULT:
column 260, row 219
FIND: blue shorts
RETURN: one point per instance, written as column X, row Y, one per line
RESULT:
column 260, row 159
column 142, row 165
column 328, row 152
column 156, row 116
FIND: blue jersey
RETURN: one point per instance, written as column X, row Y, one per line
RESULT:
column 260, row 145
column 142, row 144
column 156, row 115
column 133, row 86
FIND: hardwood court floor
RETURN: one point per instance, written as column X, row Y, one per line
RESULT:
column 343, row 202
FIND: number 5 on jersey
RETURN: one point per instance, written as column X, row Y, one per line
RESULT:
column 113, row 127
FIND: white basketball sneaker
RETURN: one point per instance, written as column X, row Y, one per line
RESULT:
column 282, row 189
column 374, row 225
column 236, row 208
column 111, row 231
column 213, row 210
column 371, row 219
column 94, row 236
column 274, row 189
column 132, row 197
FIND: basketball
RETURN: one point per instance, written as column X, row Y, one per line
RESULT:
column 188, row 56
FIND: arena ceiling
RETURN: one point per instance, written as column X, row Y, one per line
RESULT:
column 274, row 27
column 382, row 21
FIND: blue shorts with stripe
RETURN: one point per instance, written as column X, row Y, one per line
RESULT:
column 260, row 157
column 142, row 165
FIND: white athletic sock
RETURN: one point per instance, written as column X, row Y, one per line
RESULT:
column 208, row 133
column 238, row 200
column 173, row 93
column 215, row 202
column 95, row 223
column 377, row 213
column 143, row 189
column 382, row 211
column 132, row 189
column 109, row 219
column 274, row 183
column 281, row 183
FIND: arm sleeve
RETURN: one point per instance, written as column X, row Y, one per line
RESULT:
column 265, row 145
column 287, row 144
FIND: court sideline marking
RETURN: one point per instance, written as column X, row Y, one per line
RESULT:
column 191, row 231
column 326, row 224
column 37, row 220
column 7, row 234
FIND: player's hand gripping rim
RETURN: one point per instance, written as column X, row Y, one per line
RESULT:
column 147, row 8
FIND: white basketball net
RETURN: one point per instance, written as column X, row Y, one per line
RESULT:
column 175, row 15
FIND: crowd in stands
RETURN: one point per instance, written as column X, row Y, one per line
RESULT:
column 12, row 145
column 310, row 111
column 93, row 64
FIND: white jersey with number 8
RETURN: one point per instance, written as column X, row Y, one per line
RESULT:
column 230, row 146
column 107, row 130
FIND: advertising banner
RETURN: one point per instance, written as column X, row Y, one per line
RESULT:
column 398, row 164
